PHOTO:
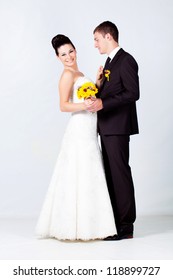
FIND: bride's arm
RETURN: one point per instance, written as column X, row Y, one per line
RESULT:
column 65, row 90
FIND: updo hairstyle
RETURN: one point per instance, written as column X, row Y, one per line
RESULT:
column 60, row 40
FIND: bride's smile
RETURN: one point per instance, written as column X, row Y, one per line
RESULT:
column 67, row 55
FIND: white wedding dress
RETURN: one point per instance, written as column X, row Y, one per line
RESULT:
column 77, row 205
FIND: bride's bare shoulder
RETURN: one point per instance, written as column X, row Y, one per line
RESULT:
column 67, row 76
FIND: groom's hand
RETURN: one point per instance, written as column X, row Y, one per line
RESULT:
column 96, row 105
column 88, row 101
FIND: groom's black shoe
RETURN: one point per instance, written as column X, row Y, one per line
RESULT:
column 110, row 238
column 119, row 237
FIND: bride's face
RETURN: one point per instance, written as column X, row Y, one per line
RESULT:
column 67, row 55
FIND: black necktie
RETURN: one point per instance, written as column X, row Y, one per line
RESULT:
column 107, row 62
column 105, row 67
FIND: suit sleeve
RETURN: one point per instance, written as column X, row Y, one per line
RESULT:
column 129, row 90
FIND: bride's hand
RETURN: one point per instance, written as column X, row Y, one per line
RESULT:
column 88, row 102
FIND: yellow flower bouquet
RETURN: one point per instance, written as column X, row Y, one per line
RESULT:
column 87, row 90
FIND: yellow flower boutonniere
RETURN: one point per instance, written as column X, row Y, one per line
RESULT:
column 87, row 90
column 107, row 73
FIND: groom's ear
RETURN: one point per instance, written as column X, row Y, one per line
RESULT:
column 108, row 36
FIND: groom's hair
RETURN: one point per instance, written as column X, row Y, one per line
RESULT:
column 108, row 27
column 60, row 40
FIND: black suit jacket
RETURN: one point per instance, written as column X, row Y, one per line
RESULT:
column 119, row 95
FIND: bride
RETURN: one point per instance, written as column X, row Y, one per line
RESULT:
column 77, row 204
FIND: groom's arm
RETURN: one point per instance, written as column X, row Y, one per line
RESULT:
column 129, row 91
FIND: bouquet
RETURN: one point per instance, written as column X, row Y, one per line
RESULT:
column 87, row 90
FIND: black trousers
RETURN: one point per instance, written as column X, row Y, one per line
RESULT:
column 115, row 149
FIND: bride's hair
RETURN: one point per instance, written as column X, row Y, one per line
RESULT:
column 60, row 40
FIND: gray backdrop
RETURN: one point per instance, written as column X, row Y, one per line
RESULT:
column 31, row 125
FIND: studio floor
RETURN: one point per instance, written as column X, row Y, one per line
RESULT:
column 153, row 240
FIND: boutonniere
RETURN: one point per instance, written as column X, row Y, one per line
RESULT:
column 107, row 73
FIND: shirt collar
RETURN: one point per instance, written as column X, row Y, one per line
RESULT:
column 113, row 52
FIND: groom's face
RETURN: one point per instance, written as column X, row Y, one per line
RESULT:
column 100, row 42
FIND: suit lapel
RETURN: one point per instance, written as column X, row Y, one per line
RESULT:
column 115, row 58
column 111, row 64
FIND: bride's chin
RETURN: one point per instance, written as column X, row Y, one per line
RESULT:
column 70, row 64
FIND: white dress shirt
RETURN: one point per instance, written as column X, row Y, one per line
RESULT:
column 113, row 52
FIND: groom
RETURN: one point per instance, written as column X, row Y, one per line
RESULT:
column 117, row 120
